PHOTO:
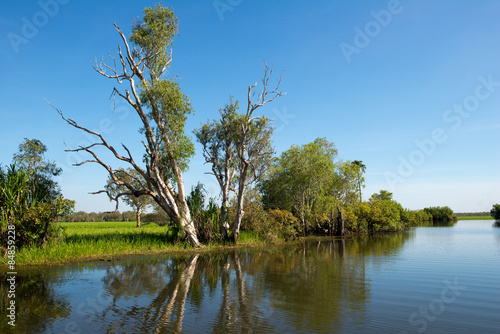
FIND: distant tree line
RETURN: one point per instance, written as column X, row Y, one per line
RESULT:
column 472, row 214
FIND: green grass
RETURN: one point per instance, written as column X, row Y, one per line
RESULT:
column 108, row 240
column 475, row 218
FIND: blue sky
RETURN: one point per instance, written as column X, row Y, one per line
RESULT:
column 411, row 88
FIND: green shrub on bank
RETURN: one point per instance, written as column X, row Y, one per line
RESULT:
column 415, row 217
column 381, row 216
column 287, row 225
column 441, row 214
column 495, row 212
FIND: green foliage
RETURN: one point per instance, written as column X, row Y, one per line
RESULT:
column 31, row 158
column 415, row 217
column 23, row 205
column 29, row 198
column 356, row 217
column 253, row 208
column 495, row 212
column 154, row 35
column 206, row 219
column 286, row 225
column 169, row 108
column 35, row 228
column 298, row 177
column 381, row 215
column 383, row 195
column 307, row 181
column 15, row 192
column 385, row 216
column 441, row 214
column 346, row 183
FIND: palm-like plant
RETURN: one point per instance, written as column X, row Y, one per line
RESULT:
column 15, row 192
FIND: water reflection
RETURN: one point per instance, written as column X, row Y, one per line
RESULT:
column 450, row 223
column 316, row 286
column 37, row 303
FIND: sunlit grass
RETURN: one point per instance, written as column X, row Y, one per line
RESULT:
column 92, row 241
column 475, row 218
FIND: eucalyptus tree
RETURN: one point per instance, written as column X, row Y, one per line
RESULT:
column 162, row 108
column 238, row 146
column 31, row 158
column 132, row 177
column 218, row 140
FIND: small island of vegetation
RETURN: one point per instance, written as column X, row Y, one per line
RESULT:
column 306, row 190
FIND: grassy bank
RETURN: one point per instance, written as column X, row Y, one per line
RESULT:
column 108, row 240
column 475, row 218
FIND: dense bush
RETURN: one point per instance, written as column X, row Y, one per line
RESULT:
column 376, row 215
column 414, row 218
column 287, row 226
column 206, row 218
column 30, row 203
column 355, row 217
column 384, row 216
column 381, row 214
column 495, row 212
column 441, row 214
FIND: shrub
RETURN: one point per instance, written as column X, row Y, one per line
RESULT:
column 441, row 214
column 31, row 206
column 287, row 226
column 414, row 218
column 495, row 212
column 385, row 216
column 355, row 217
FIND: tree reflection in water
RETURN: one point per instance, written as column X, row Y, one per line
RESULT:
column 37, row 303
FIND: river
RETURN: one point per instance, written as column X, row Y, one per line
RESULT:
column 433, row 279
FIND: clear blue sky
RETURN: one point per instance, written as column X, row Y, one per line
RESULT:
column 411, row 88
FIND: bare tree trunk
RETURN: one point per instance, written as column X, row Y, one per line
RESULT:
column 224, row 226
column 138, row 215
column 239, row 211
column 339, row 230
column 189, row 230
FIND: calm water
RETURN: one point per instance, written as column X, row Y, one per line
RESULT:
column 428, row 280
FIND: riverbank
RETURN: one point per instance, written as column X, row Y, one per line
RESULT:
column 106, row 241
